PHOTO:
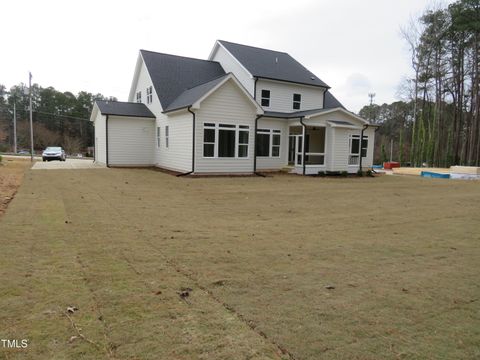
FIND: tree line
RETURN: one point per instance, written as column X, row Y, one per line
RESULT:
column 59, row 118
column 438, row 122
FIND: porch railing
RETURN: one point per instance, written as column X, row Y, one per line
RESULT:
column 353, row 160
column 314, row 158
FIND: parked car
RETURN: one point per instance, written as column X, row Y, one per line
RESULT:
column 23, row 152
column 53, row 153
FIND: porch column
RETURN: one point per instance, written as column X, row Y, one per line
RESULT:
column 304, row 134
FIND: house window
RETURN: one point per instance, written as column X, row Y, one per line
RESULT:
column 158, row 136
column 209, row 140
column 353, row 157
column 225, row 140
column 243, row 134
column 266, row 98
column 268, row 142
column 166, row 136
column 276, row 143
column 149, row 95
column 297, row 99
column 364, row 146
column 139, row 96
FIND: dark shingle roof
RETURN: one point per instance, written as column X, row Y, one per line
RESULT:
column 331, row 102
column 271, row 64
column 124, row 109
column 172, row 75
column 188, row 97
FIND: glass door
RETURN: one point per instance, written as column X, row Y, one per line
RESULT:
column 298, row 150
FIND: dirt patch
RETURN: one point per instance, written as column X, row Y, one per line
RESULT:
column 283, row 267
column 11, row 176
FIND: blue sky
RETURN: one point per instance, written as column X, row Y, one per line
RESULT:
column 354, row 46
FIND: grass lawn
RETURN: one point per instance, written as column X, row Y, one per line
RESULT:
column 255, row 256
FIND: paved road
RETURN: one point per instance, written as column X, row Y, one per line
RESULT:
column 68, row 164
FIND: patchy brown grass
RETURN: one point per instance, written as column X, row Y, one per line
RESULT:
column 11, row 176
column 400, row 257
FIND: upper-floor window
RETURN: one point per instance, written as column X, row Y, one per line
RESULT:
column 297, row 99
column 266, row 98
column 139, row 96
column 149, row 95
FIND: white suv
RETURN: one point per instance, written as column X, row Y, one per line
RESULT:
column 53, row 153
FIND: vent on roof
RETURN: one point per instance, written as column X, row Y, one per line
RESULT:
column 313, row 78
column 276, row 60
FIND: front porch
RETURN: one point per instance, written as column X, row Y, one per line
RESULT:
column 315, row 145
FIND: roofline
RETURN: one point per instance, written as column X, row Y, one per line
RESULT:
column 344, row 126
column 326, row 87
column 328, row 111
column 130, row 116
column 136, row 74
column 229, row 76
column 218, row 43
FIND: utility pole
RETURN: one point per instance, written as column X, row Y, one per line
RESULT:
column 14, row 124
column 391, row 149
column 372, row 114
column 31, row 114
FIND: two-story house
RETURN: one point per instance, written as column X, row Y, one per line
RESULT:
column 243, row 110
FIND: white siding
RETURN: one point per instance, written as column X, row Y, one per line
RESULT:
column 273, row 163
column 178, row 155
column 100, row 139
column 227, row 105
column 230, row 64
column 281, row 96
column 143, row 82
column 337, row 145
column 130, row 141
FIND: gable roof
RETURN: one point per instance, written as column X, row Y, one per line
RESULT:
column 172, row 75
column 120, row 108
column 270, row 64
column 194, row 96
column 189, row 96
column 331, row 101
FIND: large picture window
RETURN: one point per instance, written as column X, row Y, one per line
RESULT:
column 268, row 142
column 225, row 140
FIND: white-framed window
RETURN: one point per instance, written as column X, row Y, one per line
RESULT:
column 354, row 146
column 297, row 99
column 158, row 136
column 149, row 95
column 268, row 142
column 225, row 140
column 265, row 99
column 139, row 97
column 166, row 136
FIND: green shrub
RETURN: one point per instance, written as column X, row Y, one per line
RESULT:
column 344, row 173
column 369, row 173
column 322, row 173
column 359, row 172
